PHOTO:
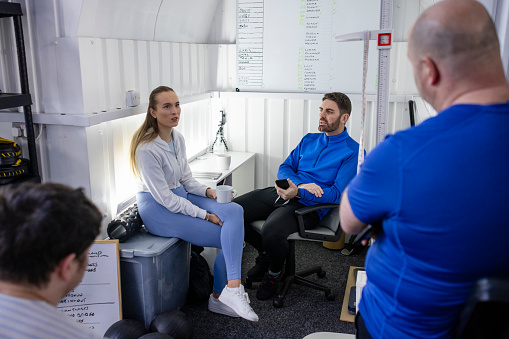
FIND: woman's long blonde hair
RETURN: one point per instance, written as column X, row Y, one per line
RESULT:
column 141, row 135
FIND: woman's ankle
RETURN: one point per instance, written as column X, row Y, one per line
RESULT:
column 234, row 283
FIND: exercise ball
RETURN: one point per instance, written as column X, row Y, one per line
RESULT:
column 125, row 329
column 156, row 335
column 175, row 323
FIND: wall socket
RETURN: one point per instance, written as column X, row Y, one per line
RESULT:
column 19, row 129
column 132, row 98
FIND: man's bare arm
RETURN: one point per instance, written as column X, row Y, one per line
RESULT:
column 349, row 222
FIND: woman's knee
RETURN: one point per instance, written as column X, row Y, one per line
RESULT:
column 236, row 210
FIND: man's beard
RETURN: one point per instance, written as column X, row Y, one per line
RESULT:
column 329, row 127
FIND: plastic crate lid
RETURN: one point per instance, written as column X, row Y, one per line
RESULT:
column 144, row 244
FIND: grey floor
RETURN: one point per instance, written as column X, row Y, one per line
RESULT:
column 305, row 311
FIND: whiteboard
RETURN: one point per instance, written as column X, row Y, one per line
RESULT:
column 288, row 45
column 96, row 301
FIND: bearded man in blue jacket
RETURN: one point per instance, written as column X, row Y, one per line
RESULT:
column 317, row 170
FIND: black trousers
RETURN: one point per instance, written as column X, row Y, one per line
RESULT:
column 280, row 222
column 361, row 330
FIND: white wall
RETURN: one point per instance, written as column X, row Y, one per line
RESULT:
column 110, row 67
column 502, row 22
column 224, row 26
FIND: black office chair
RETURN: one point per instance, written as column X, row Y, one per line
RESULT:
column 327, row 230
column 486, row 312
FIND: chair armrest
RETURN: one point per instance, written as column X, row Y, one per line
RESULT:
column 485, row 311
column 309, row 234
column 307, row 209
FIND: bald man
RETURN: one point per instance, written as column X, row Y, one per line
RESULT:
column 437, row 186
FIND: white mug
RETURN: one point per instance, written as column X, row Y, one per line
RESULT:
column 223, row 161
column 225, row 194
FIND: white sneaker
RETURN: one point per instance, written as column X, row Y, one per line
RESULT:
column 218, row 307
column 238, row 300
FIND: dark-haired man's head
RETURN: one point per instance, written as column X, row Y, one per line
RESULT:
column 41, row 225
column 334, row 113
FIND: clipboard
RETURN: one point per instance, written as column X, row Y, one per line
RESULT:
column 96, row 302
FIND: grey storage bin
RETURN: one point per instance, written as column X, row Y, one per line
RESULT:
column 154, row 275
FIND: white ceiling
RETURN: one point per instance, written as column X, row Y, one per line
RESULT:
column 159, row 20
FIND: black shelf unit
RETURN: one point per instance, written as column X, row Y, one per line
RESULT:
column 23, row 99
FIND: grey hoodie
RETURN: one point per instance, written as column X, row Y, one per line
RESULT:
column 162, row 170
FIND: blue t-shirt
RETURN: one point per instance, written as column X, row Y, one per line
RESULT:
column 329, row 162
column 440, row 188
column 171, row 145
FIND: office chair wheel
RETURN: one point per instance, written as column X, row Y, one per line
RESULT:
column 330, row 296
column 278, row 302
column 321, row 274
column 248, row 283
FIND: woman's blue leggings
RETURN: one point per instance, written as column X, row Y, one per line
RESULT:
column 229, row 238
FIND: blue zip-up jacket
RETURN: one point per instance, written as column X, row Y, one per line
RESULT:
column 329, row 162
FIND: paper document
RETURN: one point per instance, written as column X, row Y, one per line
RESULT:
column 362, row 278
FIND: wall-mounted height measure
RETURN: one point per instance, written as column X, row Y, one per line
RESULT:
column 384, row 44
column 384, row 63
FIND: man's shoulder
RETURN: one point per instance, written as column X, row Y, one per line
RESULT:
column 47, row 321
column 311, row 140
column 352, row 143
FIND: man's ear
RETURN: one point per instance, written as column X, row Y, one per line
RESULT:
column 430, row 72
column 344, row 118
column 65, row 267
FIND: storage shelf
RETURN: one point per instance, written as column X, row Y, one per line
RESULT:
column 8, row 100
column 30, row 178
column 8, row 9
column 26, row 178
column 23, row 99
